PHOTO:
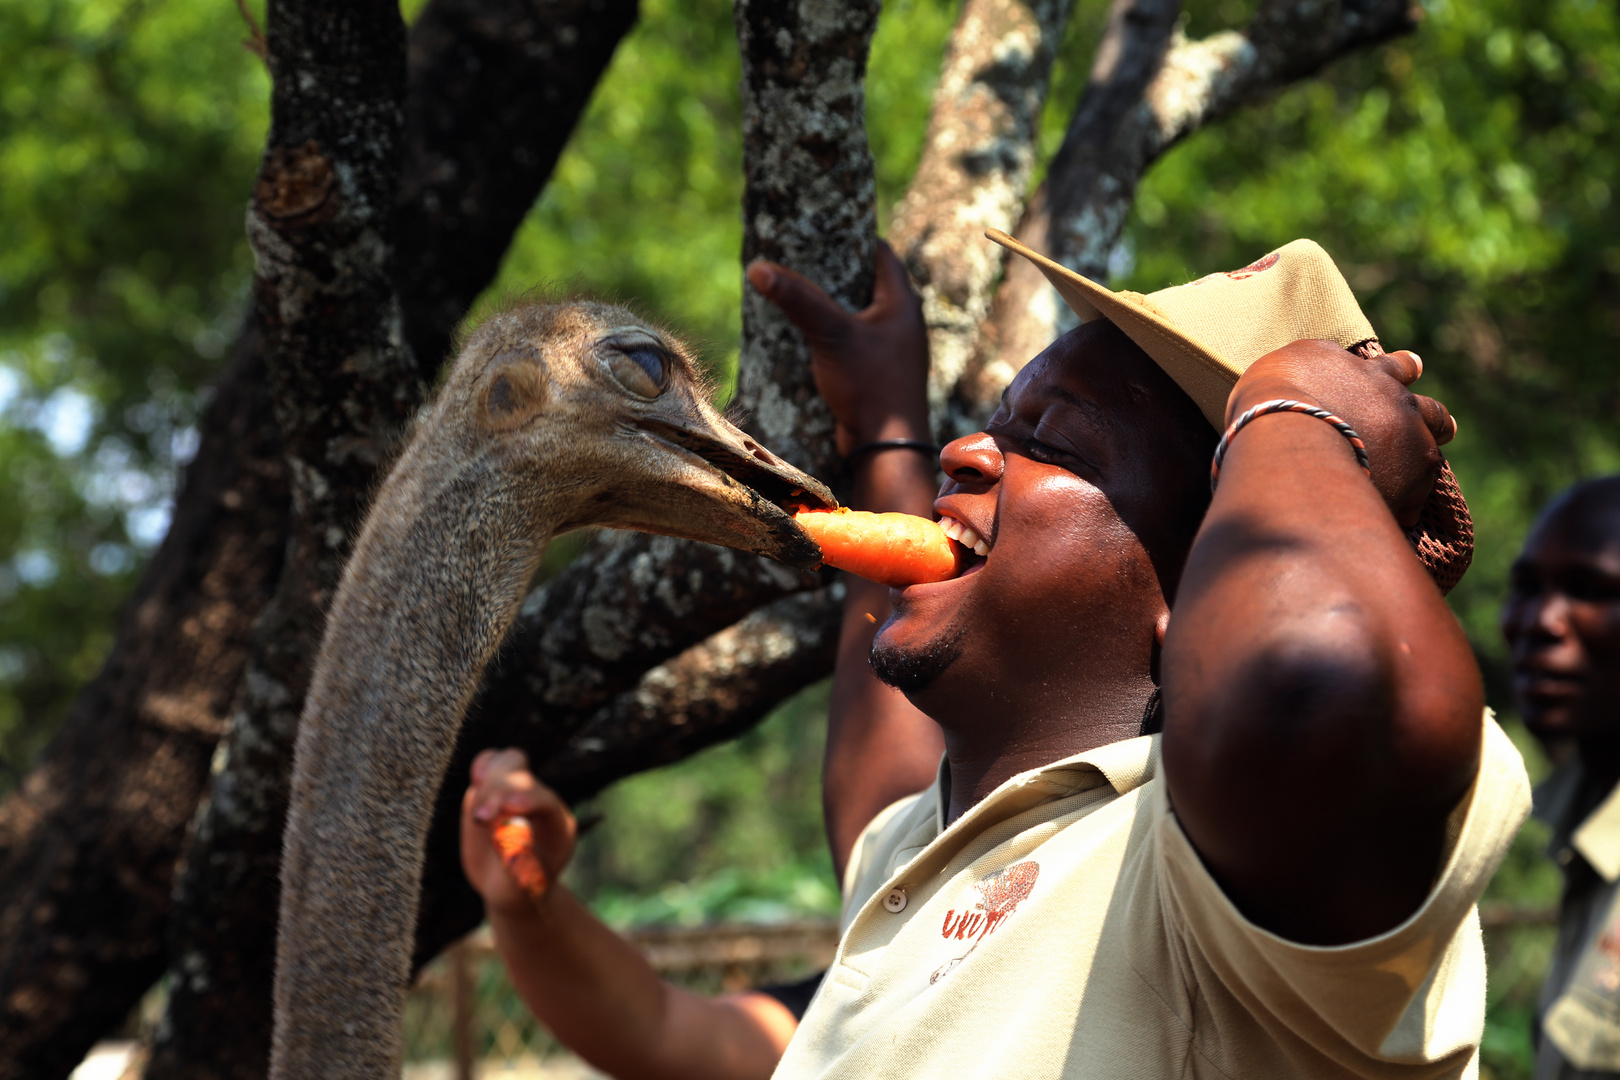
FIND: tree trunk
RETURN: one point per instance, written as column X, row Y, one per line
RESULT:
column 975, row 170
column 89, row 843
column 808, row 200
column 345, row 384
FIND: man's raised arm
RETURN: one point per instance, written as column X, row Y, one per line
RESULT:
column 871, row 367
column 1322, row 706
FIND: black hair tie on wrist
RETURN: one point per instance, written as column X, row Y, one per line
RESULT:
column 1287, row 405
column 890, row 444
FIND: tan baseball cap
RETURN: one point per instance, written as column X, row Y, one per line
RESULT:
column 1206, row 333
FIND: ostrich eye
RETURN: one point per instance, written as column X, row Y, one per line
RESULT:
column 641, row 369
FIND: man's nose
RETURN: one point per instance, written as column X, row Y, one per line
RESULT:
column 972, row 460
column 1542, row 617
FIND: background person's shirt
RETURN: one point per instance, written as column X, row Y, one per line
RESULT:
column 1065, row 927
column 1579, row 1011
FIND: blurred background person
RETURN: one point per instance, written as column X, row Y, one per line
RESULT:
column 1562, row 623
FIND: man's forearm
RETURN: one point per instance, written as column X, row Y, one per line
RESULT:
column 879, row 747
column 1322, row 708
column 602, row 1000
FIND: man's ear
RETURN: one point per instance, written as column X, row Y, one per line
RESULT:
column 1160, row 628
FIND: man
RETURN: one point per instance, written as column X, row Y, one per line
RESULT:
column 1281, row 883
column 1562, row 622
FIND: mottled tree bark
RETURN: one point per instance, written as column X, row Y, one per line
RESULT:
column 808, row 200
column 88, row 844
column 712, row 692
column 975, row 170
column 345, row 383
column 1150, row 88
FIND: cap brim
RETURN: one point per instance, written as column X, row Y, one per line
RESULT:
column 1203, row 373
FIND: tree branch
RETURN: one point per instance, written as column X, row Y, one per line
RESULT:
column 975, row 170
column 496, row 87
column 808, row 200
column 1150, row 88
column 713, row 691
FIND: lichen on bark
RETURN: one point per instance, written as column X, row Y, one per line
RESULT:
column 1151, row 87
column 808, row 199
column 344, row 384
column 977, row 157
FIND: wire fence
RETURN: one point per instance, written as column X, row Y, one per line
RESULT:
column 463, row 1019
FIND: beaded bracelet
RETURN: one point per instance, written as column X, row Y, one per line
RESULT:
column 1285, row 405
column 890, row 444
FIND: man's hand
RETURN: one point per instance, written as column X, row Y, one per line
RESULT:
column 503, row 786
column 871, row 367
column 1403, row 431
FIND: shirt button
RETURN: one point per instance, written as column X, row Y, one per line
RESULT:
column 895, row 901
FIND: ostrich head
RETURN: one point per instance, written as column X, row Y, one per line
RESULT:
column 553, row 417
column 608, row 419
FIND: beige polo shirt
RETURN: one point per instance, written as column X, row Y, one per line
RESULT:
column 1066, row 927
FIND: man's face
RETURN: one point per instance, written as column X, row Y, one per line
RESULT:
column 1562, row 619
column 1087, row 485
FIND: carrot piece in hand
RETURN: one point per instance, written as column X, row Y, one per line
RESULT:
column 891, row 549
column 514, row 839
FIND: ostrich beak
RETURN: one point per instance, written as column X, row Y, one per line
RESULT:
column 722, row 487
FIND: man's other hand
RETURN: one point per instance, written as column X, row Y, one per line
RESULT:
column 871, row 366
column 1403, row 431
column 502, row 786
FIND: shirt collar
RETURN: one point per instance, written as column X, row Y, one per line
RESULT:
column 1596, row 837
column 1126, row 765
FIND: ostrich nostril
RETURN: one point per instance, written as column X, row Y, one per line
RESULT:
column 759, row 452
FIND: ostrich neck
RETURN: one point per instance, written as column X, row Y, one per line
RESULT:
column 433, row 584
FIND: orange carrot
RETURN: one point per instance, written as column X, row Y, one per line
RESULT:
column 514, row 839
column 891, row 549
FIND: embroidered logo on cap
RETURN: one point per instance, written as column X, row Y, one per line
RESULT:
column 1259, row 266
column 1256, row 267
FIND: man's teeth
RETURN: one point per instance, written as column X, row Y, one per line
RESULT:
column 964, row 535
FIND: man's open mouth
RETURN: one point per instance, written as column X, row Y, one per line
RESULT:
column 973, row 548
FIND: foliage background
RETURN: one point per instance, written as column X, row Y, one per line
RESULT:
column 1463, row 177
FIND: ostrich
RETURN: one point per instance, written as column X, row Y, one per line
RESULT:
column 553, row 417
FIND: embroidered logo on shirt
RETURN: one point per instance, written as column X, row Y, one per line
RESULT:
column 999, row 896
